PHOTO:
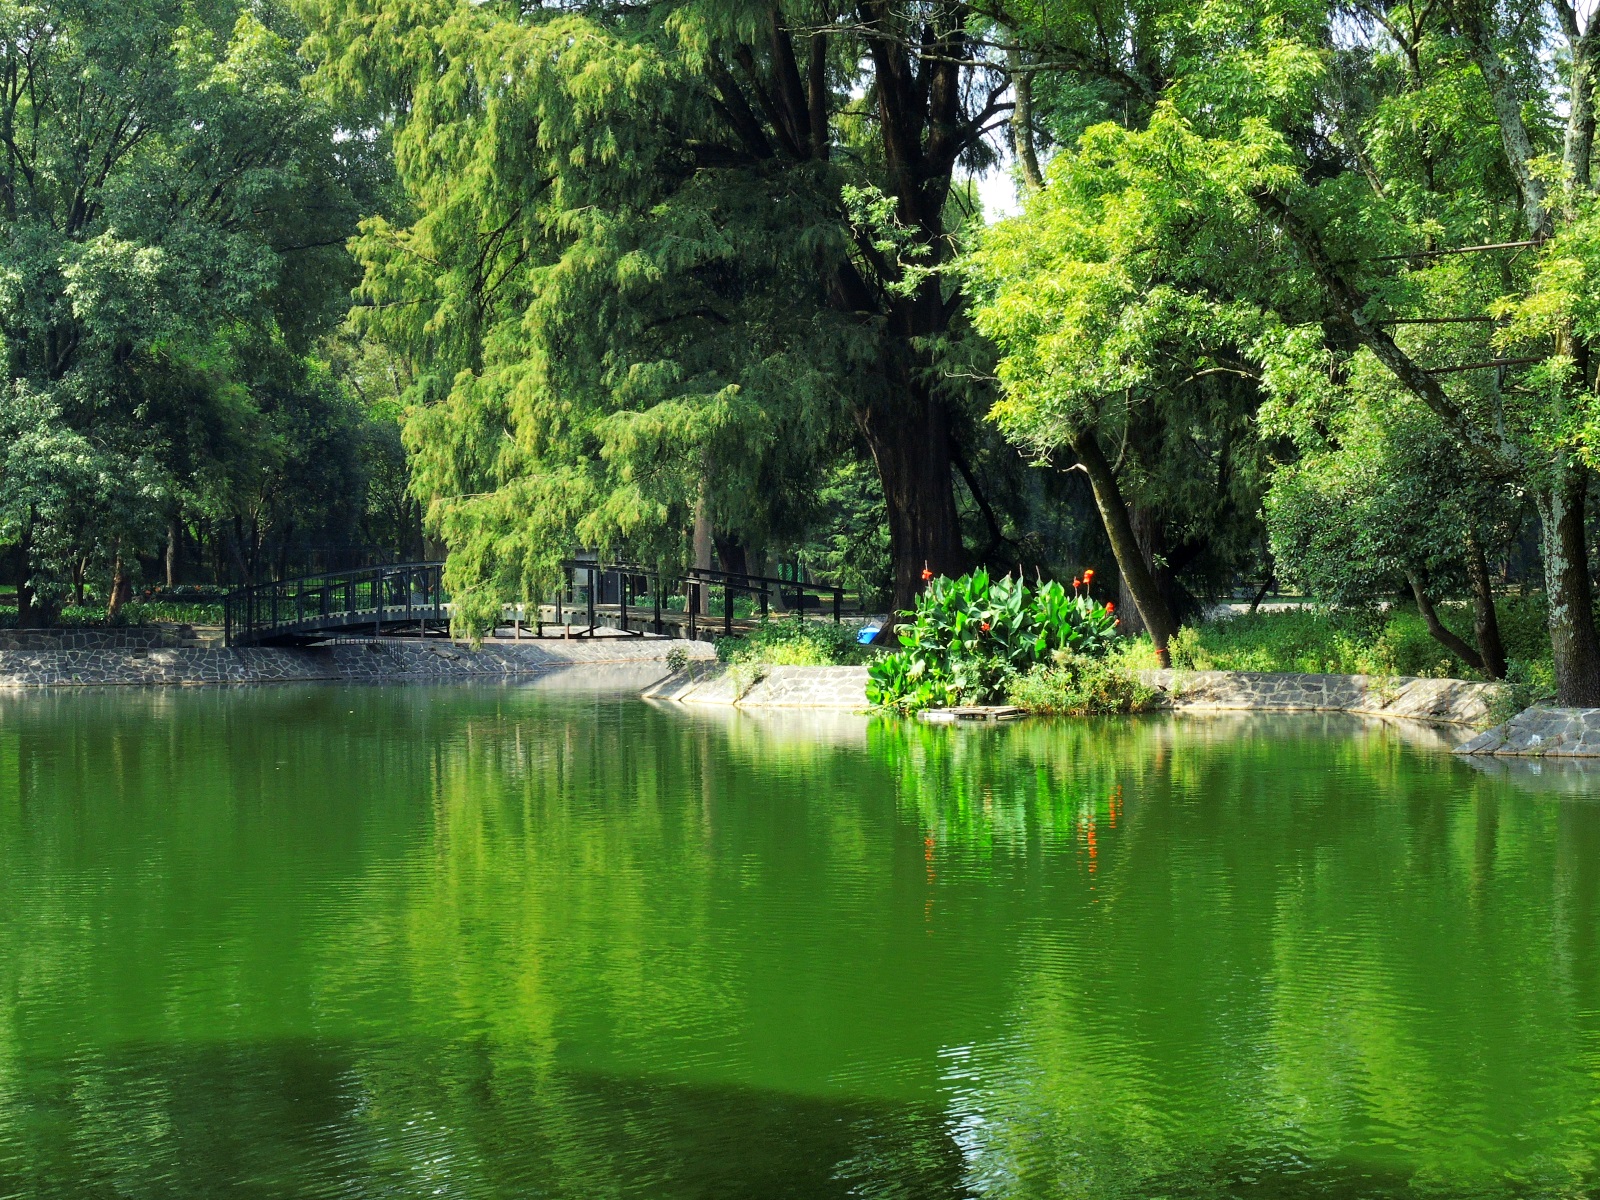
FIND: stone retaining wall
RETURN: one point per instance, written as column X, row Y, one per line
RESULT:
column 391, row 659
column 836, row 688
column 1453, row 701
column 1541, row 732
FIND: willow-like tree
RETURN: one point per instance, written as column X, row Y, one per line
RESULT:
column 657, row 248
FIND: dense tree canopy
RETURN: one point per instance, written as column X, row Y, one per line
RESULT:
column 1317, row 193
column 174, row 215
column 1297, row 291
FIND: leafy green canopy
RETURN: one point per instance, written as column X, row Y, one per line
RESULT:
column 1292, row 211
column 172, row 213
column 655, row 250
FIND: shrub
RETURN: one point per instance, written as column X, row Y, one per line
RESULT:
column 1527, row 683
column 1353, row 641
column 969, row 637
column 785, row 642
column 1077, row 685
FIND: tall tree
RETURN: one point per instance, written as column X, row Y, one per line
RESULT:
column 665, row 245
column 1386, row 190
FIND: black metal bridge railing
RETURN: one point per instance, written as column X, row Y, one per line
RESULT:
column 635, row 597
column 375, row 599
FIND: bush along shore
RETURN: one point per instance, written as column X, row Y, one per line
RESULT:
column 979, row 640
column 1050, row 648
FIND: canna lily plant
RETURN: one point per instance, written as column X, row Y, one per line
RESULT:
column 968, row 637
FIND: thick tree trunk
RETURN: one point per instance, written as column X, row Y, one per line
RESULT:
column 1573, row 641
column 1445, row 637
column 910, row 443
column 1143, row 523
column 27, row 606
column 703, row 546
column 1485, row 623
column 1131, row 563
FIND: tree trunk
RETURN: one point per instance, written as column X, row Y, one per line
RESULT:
column 1022, row 120
column 703, row 546
column 731, row 553
column 1573, row 641
column 910, row 443
column 1436, row 627
column 172, row 553
column 121, row 588
column 1143, row 523
column 1485, row 624
column 27, row 609
column 1125, row 545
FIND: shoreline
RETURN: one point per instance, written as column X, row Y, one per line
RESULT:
column 1439, row 701
column 142, row 661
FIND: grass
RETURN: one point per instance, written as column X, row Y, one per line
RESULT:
column 786, row 642
column 1078, row 686
column 1392, row 641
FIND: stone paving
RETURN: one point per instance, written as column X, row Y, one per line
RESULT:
column 1453, row 701
column 1541, row 732
column 837, row 688
column 391, row 659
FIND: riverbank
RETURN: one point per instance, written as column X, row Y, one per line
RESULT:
column 134, row 657
column 146, row 658
column 1444, row 701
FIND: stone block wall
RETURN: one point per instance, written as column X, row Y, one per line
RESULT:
column 1453, row 701
column 390, row 659
column 1541, row 732
column 835, row 688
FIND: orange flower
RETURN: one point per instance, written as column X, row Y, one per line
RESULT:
column 926, row 574
column 1076, row 584
column 984, row 627
column 1088, row 576
column 1118, row 621
column 1110, row 607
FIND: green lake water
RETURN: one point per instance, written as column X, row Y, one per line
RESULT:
column 474, row 942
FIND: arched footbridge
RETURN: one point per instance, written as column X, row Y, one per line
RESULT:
column 409, row 600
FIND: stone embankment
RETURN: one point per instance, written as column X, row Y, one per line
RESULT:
column 1450, row 701
column 84, row 657
column 838, row 688
column 1541, row 732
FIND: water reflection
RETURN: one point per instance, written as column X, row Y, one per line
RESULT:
column 499, row 942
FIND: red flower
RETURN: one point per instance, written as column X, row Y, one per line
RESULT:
column 984, row 627
column 1088, row 576
column 1110, row 607
column 1076, row 584
column 926, row 574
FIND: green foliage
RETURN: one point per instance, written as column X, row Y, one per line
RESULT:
column 657, row 256
column 1351, row 641
column 1078, row 685
column 1527, row 683
column 797, row 643
column 171, row 246
column 969, row 637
